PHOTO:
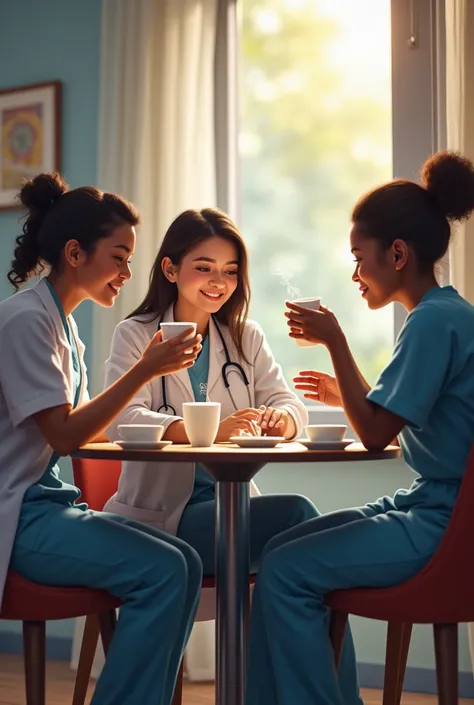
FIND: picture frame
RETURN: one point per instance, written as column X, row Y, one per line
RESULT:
column 30, row 136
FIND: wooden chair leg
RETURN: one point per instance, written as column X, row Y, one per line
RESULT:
column 34, row 642
column 107, row 622
column 90, row 639
column 403, row 659
column 398, row 644
column 446, row 653
column 178, row 689
column 337, row 630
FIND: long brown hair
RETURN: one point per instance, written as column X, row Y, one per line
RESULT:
column 185, row 233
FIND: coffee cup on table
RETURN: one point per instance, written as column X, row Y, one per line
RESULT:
column 314, row 304
column 326, row 433
column 138, row 432
column 201, row 422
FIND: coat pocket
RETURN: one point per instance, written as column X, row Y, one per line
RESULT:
column 152, row 517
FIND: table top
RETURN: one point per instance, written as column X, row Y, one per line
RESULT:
column 226, row 462
column 228, row 454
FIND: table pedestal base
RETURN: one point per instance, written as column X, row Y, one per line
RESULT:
column 232, row 590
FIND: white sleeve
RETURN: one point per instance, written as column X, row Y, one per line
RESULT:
column 31, row 371
column 271, row 388
column 129, row 341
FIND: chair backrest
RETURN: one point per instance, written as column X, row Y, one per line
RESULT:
column 453, row 563
column 97, row 480
column 442, row 592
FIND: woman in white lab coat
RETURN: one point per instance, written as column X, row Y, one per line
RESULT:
column 201, row 274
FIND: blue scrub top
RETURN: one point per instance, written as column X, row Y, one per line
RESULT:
column 50, row 486
column 203, row 489
column 430, row 383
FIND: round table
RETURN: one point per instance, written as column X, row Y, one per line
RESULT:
column 232, row 469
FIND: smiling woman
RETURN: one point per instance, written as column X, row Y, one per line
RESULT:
column 425, row 396
column 85, row 238
column 201, row 253
column 200, row 276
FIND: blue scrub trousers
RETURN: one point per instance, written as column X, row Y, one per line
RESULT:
column 157, row 576
column 290, row 657
column 269, row 515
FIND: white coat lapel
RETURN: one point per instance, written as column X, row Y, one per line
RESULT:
column 217, row 358
column 42, row 290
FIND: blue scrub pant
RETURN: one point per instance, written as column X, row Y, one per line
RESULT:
column 156, row 575
column 269, row 515
column 291, row 658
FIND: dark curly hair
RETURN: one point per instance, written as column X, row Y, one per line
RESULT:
column 420, row 214
column 56, row 215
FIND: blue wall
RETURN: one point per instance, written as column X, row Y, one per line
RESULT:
column 44, row 40
column 49, row 40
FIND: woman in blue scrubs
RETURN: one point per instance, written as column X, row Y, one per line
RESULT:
column 85, row 238
column 425, row 397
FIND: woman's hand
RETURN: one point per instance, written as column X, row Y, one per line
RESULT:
column 244, row 420
column 276, row 422
column 164, row 358
column 319, row 326
column 319, row 386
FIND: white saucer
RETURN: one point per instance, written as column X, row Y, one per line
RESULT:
column 326, row 445
column 143, row 445
column 257, row 441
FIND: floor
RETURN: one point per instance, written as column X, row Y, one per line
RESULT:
column 60, row 681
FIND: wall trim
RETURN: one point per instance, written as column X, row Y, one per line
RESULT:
column 417, row 680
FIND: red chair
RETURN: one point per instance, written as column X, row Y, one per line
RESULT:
column 34, row 605
column 442, row 594
column 98, row 481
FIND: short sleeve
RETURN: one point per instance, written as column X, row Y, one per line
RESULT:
column 31, row 373
column 414, row 378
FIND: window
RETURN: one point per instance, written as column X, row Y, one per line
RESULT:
column 335, row 97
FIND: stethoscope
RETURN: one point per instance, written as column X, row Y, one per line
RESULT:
column 227, row 367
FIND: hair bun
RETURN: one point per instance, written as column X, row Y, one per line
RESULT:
column 449, row 179
column 40, row 193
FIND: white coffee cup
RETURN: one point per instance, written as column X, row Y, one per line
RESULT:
column 326, row 432
column 173, row 328
column 314, row 304
column 201, row 422
column 141, row 432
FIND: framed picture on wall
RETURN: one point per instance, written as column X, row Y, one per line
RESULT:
column 30, row 127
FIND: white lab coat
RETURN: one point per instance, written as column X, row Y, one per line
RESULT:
column 157, row 494
column 35, row 373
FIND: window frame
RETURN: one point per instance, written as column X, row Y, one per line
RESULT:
column 418, row 113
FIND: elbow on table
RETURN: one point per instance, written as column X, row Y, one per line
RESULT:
column 63, row 448
column 375, row 441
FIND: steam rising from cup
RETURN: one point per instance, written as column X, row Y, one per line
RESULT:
column 292, row 291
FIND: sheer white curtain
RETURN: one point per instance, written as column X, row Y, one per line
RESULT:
column 460, row 136
column 157, row 128
column 165, row 109
column 460, row 126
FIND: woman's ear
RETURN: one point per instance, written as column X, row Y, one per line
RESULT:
column 74, row 254
column 169, row 269
column 400, row 253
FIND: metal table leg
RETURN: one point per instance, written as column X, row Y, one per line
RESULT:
column 232, row 590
